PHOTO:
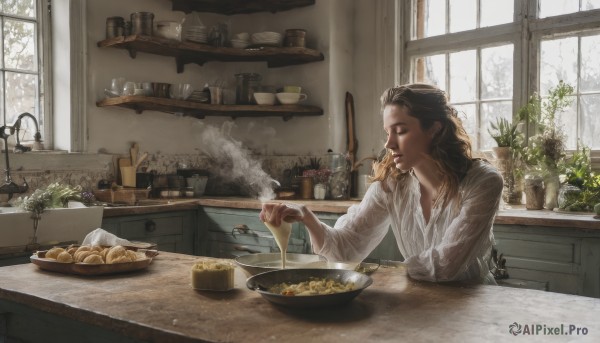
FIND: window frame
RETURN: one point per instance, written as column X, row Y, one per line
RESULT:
column 44, row 52
column 525, row 33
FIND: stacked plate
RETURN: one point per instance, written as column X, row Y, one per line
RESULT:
column 195, row 34
column 266, row 38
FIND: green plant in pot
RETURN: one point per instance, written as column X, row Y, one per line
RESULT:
column 580, row 190
column 546, row 148
column 509, row 139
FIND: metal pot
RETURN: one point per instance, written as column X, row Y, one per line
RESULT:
column 264, row 281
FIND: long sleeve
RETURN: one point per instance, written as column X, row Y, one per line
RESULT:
column 468, row 235
column 358, row 232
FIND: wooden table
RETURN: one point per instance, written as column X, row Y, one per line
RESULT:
column 158, row 305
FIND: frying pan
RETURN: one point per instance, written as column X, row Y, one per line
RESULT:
column 263, row 262
column 261, row 283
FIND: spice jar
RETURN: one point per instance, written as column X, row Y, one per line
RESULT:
column 306, row 187
column 246, row 85
column 142, row 23
column 115, row 27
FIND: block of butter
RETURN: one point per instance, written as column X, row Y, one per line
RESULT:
column 212, row 275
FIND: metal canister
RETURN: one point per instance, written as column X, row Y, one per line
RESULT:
column 295, row 38
column 247, row 84
column 142, row 23
column 115, row 27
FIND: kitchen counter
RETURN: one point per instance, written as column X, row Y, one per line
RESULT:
column 158, row 305
column 513, row 215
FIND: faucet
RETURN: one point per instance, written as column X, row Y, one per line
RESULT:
column 9, row 187
column 17, row 126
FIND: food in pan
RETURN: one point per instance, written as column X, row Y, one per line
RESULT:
column 92, row 254
column 212, row 275
column 314, row 286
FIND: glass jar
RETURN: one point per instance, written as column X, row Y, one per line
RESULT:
column 534, row 192
column 568, row 195
column 246, row 85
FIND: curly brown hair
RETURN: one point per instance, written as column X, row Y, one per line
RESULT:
column 450, row 147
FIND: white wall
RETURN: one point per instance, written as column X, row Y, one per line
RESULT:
column 330, row 30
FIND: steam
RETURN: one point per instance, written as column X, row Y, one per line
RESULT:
column 232, row 162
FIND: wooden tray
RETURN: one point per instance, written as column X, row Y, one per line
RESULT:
column 91, row 269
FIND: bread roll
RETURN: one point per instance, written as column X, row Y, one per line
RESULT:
column 84, row 248
column 132, row 255
column 54, row 252
column 115, row 253
column 121, row 259
column 81, row 255
column 93, row 259
column 64, row 257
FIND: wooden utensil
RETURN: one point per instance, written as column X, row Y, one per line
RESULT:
column 133, row 151
column 140, row 160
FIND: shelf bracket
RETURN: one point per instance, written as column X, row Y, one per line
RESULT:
column 132, row 52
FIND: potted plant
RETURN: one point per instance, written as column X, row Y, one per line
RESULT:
column 509, row 139
column 580, row 189
column 546, row 148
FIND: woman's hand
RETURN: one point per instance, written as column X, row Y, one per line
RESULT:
column 275, row 213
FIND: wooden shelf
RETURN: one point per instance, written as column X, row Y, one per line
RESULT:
column 200, row 110
column 229, row 7
column 190, row 52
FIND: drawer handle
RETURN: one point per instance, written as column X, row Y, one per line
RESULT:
column 241, row 228
column 150, row 226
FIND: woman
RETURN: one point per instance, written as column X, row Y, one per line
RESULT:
column 439, row 201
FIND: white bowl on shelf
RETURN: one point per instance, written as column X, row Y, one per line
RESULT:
column 264, row 98
column 239, row 43
column 290, row 98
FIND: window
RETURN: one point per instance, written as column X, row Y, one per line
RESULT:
column 21, row 64
column 490, row 56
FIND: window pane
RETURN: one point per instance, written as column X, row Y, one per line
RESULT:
column 432, row 70
column 494, row 12
column 19, row 45
column 463, row 15
column 589, row 108
column 497, row 72
column 567, row 119
column 21, row 90
column 24, row 8
column 550, row 8
column 590, row 5
column 558, row 62
column 590, row 69
column 490, row 112
column 463, row 76
column 431, row 18
column 468, row 115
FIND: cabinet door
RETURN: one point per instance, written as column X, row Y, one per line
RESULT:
column 171, row 231
column 542, row 256
column 226, row 232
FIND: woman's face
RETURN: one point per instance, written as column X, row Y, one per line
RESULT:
column 409, row 144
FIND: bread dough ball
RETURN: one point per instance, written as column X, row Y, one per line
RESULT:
column 104, row 252
column 96, row 248
column 64, row 257
column 120, row 259
column 54, row 252
column 84, row 248
column 93, row 259
column 116, row 252
column 81, row 255
column 132, row 255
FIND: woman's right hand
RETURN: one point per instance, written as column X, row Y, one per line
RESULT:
column 275, row 213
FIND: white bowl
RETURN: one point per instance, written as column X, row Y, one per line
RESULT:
column 239, row 43
column 168, row 29
column 290, row 98
column 264, row 98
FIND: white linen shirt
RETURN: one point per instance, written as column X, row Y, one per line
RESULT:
column 453, row 245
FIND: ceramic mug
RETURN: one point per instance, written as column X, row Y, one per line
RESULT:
column 292, row 89
column 290, row 98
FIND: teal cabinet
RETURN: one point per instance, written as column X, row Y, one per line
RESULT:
column 228, row 233
column 548, row 258
column 171, row 231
